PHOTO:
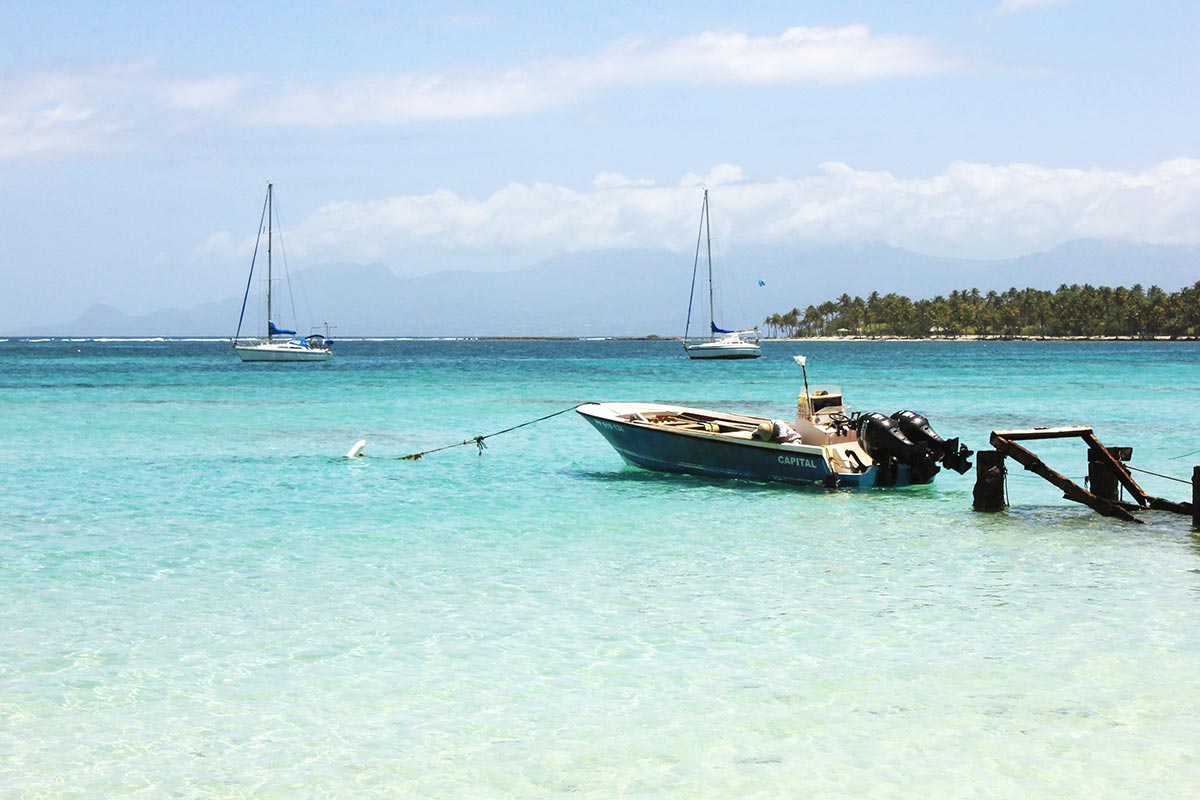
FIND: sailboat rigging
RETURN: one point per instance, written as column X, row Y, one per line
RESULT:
column 721, row 343
column 280, row 344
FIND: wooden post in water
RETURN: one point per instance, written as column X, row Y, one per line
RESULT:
column 1196, row 498
column 1101, row 475
column 989, row 480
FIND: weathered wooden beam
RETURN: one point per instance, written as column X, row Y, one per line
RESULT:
column 1071, row 490
column 1104, row 454
column 1044, row 433
column 1158, row 504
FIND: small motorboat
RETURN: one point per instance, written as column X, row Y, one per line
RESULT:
column 825, row 445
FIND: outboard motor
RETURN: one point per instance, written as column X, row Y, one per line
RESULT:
column 884, row 440
column 949, row 452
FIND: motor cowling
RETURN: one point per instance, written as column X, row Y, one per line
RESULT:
column 917, row 428
column 884, row 439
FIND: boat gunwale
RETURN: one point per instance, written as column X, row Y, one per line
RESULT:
column 715, row 436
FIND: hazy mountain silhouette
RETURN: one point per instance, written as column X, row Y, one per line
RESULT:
column 638, row 293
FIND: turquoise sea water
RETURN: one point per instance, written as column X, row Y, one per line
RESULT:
column 200, row 598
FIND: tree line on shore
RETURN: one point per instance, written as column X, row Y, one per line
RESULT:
column 1067, row 311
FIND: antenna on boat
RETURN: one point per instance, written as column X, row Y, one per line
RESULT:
column 803, row 362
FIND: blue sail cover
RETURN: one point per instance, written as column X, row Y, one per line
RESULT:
column 274, row 331
column 715, row 329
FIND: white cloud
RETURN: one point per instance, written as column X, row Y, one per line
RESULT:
column 38, row 131
column 47, row 113
column 80, row 110
column 614, row 180
column 204, row 94
column 1017, row 6
column 720, row 174
column 51, row 113
column 220, row 246
column 798, row 55
column 970, row 210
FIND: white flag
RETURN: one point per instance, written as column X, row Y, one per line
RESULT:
column 801, row 360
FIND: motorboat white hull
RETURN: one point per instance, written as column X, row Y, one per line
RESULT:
column 281, row 352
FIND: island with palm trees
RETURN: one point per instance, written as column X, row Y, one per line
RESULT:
column 1073, row 311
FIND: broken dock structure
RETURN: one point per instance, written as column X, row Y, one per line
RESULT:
column 1108, row 473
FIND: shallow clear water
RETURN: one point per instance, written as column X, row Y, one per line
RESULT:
column 200, row 598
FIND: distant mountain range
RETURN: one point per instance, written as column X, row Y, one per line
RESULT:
column 640, row 293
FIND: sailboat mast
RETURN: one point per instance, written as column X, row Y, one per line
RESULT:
column 712, row 319
column 270, row 213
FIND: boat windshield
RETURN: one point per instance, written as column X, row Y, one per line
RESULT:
column 827, row 398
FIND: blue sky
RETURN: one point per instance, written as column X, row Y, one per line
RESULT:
column 136, row 138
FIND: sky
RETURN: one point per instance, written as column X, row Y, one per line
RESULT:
column 137, row 138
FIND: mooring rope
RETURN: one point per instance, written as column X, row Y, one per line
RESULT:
column 1158, row 475
column 1185, row 455
column 478, row 440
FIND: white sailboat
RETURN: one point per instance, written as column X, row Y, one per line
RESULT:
column 721, row 343
column 280, row 344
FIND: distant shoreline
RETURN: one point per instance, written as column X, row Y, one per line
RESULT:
column 980, row 338
column 649, row 338
column 963, row 338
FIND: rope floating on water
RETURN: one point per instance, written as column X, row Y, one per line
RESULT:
column 478, row 440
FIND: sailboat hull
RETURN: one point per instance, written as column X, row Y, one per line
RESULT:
column 725, row 350
column 280, row 352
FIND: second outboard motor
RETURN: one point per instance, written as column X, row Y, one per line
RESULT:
column 883, row 439
column 918, row 429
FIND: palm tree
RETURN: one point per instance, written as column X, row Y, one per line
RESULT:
column 1067, row 311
